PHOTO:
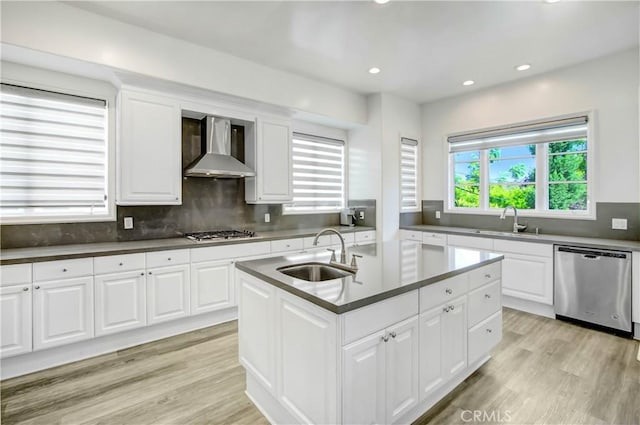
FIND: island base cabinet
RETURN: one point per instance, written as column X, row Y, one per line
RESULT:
column 167, row 293
column 402, row 369
column 211, row 286
column 307, row 362
column 15, row 307
column 62, row 312
column 484, row 336
column 120, row 302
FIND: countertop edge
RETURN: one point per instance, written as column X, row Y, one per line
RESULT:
column 150, row 245
column 345, row 308
column 602, row 243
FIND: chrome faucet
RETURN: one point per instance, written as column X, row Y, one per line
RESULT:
column 343, row 253
column 516, row 227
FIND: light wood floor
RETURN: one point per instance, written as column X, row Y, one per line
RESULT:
column 544, row 371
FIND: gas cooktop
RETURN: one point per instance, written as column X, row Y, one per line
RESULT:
column 220, row 235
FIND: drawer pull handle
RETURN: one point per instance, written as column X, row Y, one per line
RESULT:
column 120, row 264
column 384, row 338
column 169, row 259
column 142, row 274
column 452, row 307
column 488, row 276
column 487, row 296
column 489, row 331
column 37, row 287
column 448, row 291
column 64, row 270
column 149, row 272
column 446, row 309
column 393, row 334
column 25, row 289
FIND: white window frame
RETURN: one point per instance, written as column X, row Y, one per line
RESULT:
column 418, row 207
column 541, row 177
column 320, row 131
column 35, row 78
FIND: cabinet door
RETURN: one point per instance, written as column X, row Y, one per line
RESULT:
column 211, row 286
column 120, row 302
column 528, row 277
column 274, row 161
column 364, row 383
column 62, row 312
column 256, row 329
column 402, row 368
column 149, row 150
column 454, row 337
column 431, row 351
column 167, row 293
column 15, row 307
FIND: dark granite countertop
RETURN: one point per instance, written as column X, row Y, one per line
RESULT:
column 531, row 237
column 63, row 252
column 385, row 270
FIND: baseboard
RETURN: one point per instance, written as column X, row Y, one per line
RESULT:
column 45, row 359
column 529, row 306
column 636, row 335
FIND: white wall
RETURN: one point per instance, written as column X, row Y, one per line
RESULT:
column 70, row 32
column 607, row 86
column 400, row 118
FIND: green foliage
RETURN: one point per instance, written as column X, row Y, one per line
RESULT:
column 520, row 196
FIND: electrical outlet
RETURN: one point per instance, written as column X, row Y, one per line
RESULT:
column 619, row 223
column 361, row 215
column 128, row 223
column 267, row 217
column 438, row 214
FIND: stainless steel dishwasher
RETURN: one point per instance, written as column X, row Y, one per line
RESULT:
column 593, row 286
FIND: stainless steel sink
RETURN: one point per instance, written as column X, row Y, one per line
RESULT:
column 507, row 234
column 314, row 272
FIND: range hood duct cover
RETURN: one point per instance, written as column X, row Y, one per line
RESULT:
column 217, row 161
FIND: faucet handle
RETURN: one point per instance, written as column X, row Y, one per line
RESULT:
column 353, row 260
column 333, row 254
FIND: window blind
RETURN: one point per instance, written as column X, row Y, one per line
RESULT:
column 531, row 133
column 408, row 174
column 53, row 154
column 318, row 174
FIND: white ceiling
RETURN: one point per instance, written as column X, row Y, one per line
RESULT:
column 425, row 49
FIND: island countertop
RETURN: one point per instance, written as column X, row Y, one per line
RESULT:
column 385, row 270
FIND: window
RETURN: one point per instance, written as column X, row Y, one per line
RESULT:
column 537, row 167
column 409, row 175
column 318, row 175
column 53, row 157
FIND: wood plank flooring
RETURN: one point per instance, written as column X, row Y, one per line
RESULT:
column 543, row 372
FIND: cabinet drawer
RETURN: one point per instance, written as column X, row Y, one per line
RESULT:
column 324, row 240
column 483, row 302
column 231, row 251
column 349, row 239
column 470, row 242
column 413, row 235
column 167, row 258
column 484, row 336
column 439, row 239
column 366, row 237
column 118, row 263
column 485, row 274
column 15, row 274
column 524, row 248
column 54, row 270
column 286, row 245
column 442, row 292
column 372, row 318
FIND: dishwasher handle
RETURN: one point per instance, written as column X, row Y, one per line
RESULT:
column 592, row 254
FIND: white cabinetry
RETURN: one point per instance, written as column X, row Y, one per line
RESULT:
column 15, row 306
column 167, row 293
column 270, row 156
column 120, row 302
column 211, row 286
column 149, row 150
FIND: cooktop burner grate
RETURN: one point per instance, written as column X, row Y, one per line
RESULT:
column 220, row 235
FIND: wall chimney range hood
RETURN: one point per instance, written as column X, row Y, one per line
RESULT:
column 216, row 160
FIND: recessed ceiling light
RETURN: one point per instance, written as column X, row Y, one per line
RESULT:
column 551, row 1
column 523, row 67
column 387, row 1
column 374, row 70
column 468, row 83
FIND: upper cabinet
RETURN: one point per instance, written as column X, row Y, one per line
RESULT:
column 149, row 152
column 269, row 154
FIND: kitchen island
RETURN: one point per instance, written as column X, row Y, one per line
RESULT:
column 381, row 346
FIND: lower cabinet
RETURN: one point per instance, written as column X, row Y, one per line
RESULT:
column 15, row 308
column 443, row 344
column 211, row 286
column 62, row 311
column 120, row 302
column 167, row 293
column 528, row 277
